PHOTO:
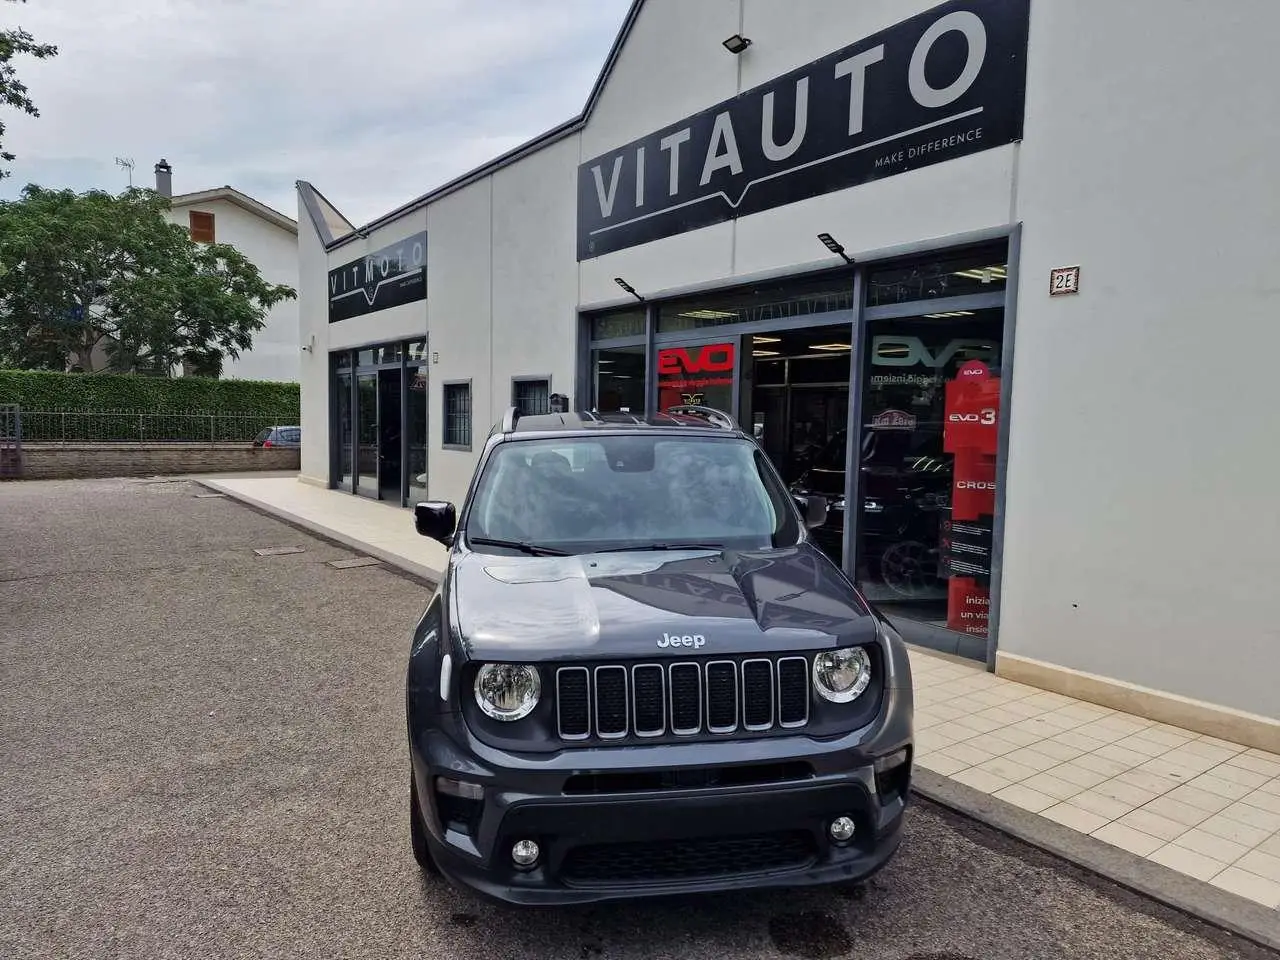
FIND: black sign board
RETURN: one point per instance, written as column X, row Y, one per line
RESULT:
column 941, row 85
column 389, row 277
column 966, row 549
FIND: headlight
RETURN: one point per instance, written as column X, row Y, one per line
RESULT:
column 507, row 691
column 842, row 675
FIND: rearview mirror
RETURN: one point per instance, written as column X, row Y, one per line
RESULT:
column 814, row 510
column 436, row 519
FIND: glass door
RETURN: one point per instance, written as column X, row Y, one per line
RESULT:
column 390, row 441
column 367, row 435
column 346, row 427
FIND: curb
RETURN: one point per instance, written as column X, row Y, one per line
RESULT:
column 1187, row 895
column 418, row 571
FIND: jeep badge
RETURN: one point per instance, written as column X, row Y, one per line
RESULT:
column 686, row 640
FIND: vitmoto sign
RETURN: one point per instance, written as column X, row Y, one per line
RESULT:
column 940, row 85
column 389, row 277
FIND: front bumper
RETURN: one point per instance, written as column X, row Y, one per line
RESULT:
column 602, row 839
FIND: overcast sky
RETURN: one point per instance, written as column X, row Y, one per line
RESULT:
column 373, row 101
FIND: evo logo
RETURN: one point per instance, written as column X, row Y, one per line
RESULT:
column 987, row 416
column 694, row 640
column 893, row 351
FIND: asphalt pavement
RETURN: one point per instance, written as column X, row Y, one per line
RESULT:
column 202, row 754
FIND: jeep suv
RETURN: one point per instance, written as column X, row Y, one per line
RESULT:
column 638, row 675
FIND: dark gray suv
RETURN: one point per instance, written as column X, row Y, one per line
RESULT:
column 638, row 675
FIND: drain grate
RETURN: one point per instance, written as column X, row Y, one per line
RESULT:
column 276, row 551
column 354, row 562
column 211, row 496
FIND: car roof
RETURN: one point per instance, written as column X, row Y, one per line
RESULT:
column 698, row 420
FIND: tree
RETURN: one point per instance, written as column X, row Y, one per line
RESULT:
column 13, row 92
column 108, row 282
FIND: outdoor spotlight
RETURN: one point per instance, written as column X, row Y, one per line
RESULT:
column 628, row 287
column 737, row 43
column 832, row 244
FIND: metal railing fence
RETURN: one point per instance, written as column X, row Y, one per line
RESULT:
column 135, row 426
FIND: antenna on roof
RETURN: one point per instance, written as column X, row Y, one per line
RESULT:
column 126, row 163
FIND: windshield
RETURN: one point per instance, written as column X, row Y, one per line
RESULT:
column 583, row 494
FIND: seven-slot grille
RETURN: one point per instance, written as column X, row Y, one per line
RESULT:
column 683, row 698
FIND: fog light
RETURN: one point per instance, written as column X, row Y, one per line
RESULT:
column 460, row 788
column 842, row 829
column 524, row 853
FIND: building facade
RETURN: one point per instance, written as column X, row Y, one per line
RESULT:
column 970, row 269
column 270, row 240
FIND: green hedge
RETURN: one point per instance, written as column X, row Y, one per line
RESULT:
column 43, row 390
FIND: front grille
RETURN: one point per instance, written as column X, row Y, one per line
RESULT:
column 674, row 860
column 682, row 699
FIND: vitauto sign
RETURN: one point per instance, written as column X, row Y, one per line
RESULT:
column 941, row 85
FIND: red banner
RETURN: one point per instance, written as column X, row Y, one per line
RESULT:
column 970, row 433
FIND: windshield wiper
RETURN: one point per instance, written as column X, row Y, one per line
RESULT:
column 674, row 545
column 523, row 546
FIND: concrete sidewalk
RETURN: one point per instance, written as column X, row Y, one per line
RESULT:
column 1186, row 818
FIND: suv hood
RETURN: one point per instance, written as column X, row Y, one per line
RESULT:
column 621, row 605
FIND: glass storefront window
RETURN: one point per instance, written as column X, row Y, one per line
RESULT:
column 618, row 380
column 701, row 375
column 345, row 426
column 620, row 323
column 955, row 275
column 342, row 361
column 417, row 433
column 761, row 302
column 416, row 351
column 931, row 412
column 367, row 434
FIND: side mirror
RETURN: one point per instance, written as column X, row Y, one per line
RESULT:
column 814, row 510
column 436, row 519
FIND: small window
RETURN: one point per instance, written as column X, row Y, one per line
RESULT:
column 457, row 415
column 201, row 226
column 531, row 396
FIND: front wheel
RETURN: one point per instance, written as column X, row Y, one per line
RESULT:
column 417, row 832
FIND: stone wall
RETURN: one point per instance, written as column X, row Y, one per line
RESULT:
column 62, row 461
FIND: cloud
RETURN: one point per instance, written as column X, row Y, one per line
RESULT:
column 374, row 102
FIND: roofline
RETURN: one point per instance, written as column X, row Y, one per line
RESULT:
column 242, row 200
column 554, row 135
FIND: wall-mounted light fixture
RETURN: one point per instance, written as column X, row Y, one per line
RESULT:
column 737, row 43
column 628, row 287
column 832, row 244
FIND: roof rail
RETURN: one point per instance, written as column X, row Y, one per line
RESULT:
column 717, row 417
column 510, row 419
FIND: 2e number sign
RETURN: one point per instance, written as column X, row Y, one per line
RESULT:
column 1064, row 280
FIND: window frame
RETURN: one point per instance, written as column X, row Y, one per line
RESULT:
column 444, row 415
column 191, row 226
column 530, row 378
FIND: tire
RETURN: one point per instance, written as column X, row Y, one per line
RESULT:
column 418, row 833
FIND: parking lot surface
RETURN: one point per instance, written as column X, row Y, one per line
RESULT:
column 202, row 754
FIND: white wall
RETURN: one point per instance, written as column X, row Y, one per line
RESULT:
column 313, row 317
column 534, row 272
column 460, row 288
column 274, row 251
column 1142, row 494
